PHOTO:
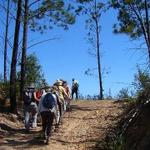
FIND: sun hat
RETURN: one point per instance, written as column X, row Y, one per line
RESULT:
column 58, row 82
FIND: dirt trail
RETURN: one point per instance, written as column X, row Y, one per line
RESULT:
column 86, row 125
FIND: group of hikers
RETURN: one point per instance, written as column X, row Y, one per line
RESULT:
column 51, row 102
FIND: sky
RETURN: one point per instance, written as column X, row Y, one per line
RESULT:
column 67, row 56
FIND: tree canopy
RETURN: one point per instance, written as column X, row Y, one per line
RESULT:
column 133, row 19
column 33, row 72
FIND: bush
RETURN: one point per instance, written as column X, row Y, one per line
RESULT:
column 4, row 91
column 142, row 85
column 123, row 94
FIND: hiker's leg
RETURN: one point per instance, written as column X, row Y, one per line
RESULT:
column 34, row 116
column 67, row 102
column 68, row 105
column 27, row 117
column 57, row 116
column 60, row 111
column 65, row 105
column 72, row 94
column 44, row 121
column 76, row 94
column 50, row 118
column 34, row 122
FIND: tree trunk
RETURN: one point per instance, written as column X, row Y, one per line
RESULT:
column 13, row 104
column 98, row 61
column 149, row 54
column 98, row 53
column 147, row 29
column 5, row 44
column 24, row 49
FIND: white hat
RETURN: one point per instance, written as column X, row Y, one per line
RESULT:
column 59, row 82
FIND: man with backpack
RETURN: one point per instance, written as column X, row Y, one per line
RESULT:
column 47, row 108
column 30, row 108
column 75, row 88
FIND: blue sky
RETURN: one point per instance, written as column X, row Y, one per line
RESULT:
column 67, row 57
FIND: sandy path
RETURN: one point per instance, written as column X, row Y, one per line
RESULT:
column 87, row 124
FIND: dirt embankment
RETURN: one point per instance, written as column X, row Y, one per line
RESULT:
column 137, row 135
column 84, row 128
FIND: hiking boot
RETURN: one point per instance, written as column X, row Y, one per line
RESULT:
column 47, row 141
column 56, row 128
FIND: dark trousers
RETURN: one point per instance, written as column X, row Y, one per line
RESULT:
column 74, row 91
column 60, row 107
column 47, row 121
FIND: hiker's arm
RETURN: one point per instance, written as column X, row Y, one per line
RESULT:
column 35, row 97
column 66, row 95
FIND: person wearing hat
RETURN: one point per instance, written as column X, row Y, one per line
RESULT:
column 62, row 96
column 30, row 108
column 67, row 100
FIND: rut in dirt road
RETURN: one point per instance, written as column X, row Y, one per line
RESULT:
column 84, row 128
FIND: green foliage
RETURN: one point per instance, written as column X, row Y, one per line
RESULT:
column 4, row 90
column 119, row 144
column 129, row 12
column 55, row 12
column 33, row 69
column 142, row 84
column 123, row 94
column 34, row 73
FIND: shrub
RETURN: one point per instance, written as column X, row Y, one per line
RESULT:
column 4, row 91
column 142, row 85
column 123, row 94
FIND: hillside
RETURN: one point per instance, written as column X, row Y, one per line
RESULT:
column 137, row 135
column 89, row 125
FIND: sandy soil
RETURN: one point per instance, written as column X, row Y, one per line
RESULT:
column 84, row 128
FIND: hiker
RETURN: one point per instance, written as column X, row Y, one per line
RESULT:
column 30, row 108
column 62, row 96
column 47, row 108
column 75, row 88
column 67, row 89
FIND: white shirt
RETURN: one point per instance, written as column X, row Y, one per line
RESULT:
column 41, row 108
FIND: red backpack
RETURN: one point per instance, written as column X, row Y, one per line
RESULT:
column 39, row 94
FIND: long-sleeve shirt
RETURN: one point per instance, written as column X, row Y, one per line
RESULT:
column 41, row 108
column 62, row 93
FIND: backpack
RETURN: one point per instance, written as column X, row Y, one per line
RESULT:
column 75, row 86
column 39, row 94
column 28, row 97
column 49, row 101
